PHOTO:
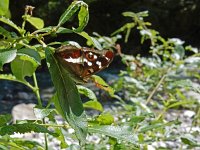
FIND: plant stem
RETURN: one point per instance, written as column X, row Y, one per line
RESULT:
column 157, row 86
column 37, row 92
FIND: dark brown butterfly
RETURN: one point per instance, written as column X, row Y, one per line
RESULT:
column 81, row 63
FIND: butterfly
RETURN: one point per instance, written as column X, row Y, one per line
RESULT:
column 83, row 62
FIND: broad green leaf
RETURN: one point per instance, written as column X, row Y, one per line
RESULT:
column 24, row 128
column 105, row 119
column 123, row 133
column 4, row 8
column 10, row 23
column 5, row 119
column 7, row 56
column 90, row 39
column 36, row 22
column 67, row 99
column 71, row 10
column 30, row 53
column 87, row 92
column 93, row 105
column 23, row 66
column 103, row 85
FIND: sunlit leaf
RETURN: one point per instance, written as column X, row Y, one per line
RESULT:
column 105, row 119
column 87, row 92
column 7, row 56
column 71, row 10
column 4, row 8
column 103, row 85
column 93, row 105
column 83, row 17
column 91, row 39
column 123, row 133
column 25, row 63
column 36, row 22
column 10, row 23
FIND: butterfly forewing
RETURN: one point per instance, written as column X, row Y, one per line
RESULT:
column 82, row 63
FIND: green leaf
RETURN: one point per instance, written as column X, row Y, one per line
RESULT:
column 61, row 138
column 87, row 92
column 24, row 128
column 36, row 22
column 13, row 78
column 105, row 119
column 90, row 39
column 190, row 141
column 4, row 8
column 67, row 99
column 26, row 144
column 7, row 56
column 129, row 14
column 34, row 55
column 123, row 133
column 42, row 113
column 103, row 85
column 179, row 52
column 83, row 17
column 64, row 30
column 93, row 105
column 54, row 29
column 23, row 65
column 10, row 23
column 71, row 10
column 4, row 119
column 157, row 126
column 4, row 32
column 180, row 103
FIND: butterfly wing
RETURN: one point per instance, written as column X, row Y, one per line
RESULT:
column 82, row 63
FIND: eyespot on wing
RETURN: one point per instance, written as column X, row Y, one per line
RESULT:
column 109, row 54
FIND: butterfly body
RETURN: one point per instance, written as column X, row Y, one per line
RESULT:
column 81, row 63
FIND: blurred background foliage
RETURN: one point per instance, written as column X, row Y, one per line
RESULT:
column 172, row 18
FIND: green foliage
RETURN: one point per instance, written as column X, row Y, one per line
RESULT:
column 4, row 8
column 145, row 91
column 24, row 128
column 67, row 97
